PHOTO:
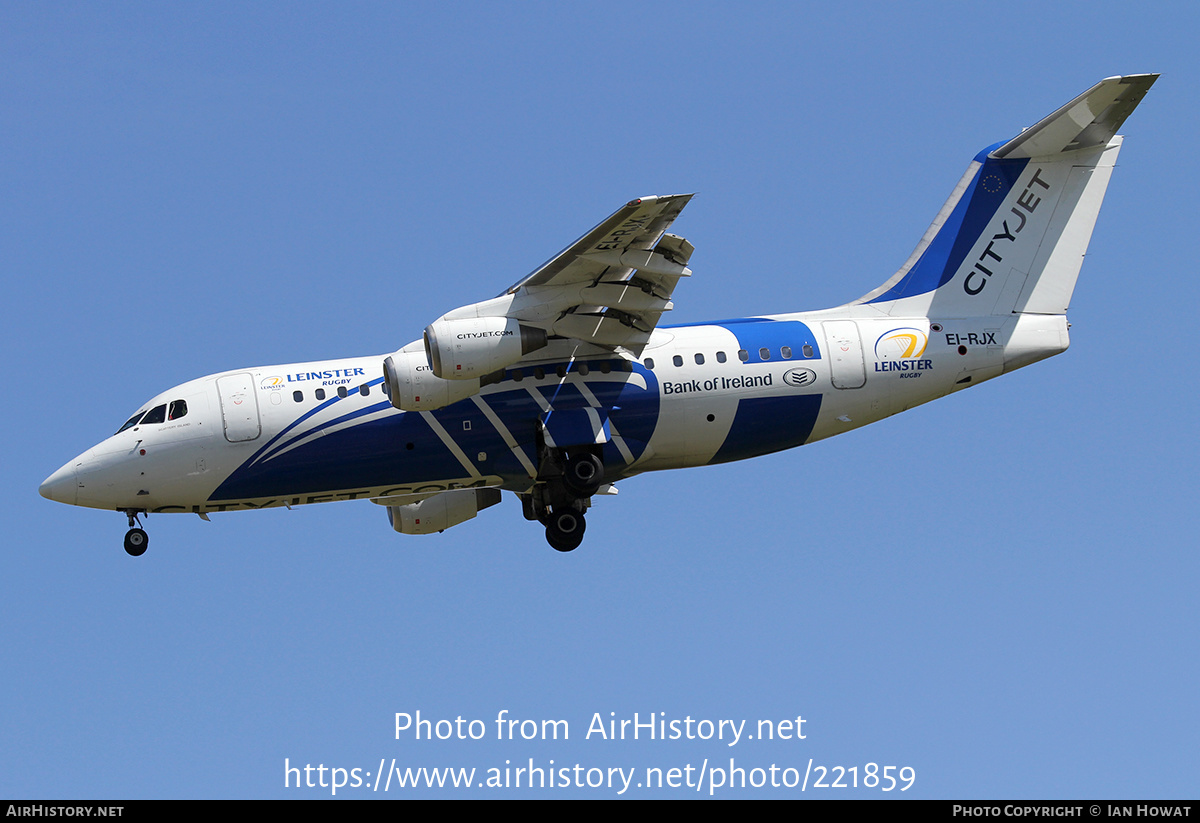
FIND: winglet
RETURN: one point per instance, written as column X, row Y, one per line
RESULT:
column 1090, row 120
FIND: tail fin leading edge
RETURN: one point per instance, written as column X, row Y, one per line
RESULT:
column 1012, row 236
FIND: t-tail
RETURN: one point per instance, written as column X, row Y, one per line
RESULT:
column 1012, row 236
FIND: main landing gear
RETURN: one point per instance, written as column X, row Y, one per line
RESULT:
column 582, row 474
column 136, row 539
column 559, row 501
column 564, row 530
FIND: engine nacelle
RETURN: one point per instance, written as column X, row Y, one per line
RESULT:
column 440, row 512
column 412, row 385
column 474, row 346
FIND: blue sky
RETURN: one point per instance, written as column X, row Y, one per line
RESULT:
column 996, row 589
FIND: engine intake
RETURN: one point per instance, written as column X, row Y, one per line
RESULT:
column 412, row 385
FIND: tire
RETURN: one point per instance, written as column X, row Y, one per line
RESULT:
column 565, row 530
column 583, row 474
column 136, row 541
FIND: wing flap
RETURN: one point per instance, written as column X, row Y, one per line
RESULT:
column 609, row 288
column 608, row 329
column 612, row 285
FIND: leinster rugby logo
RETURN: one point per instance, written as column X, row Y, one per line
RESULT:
column 900, row 351
column 271, row 383
column 799, row 377
column 901, row 344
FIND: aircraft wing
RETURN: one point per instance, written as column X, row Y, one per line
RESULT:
column 634, row 227
column 610, row 286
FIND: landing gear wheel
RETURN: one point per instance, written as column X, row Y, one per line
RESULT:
column 582, row 474
column 564, row 531
column 136, row 541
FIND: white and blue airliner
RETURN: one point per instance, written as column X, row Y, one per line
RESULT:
column 566, row 384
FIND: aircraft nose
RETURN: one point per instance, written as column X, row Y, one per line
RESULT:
column 61, row 486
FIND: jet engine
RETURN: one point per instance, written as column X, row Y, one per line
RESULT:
column 412, row 385
column 440, row 512
column 474, row 346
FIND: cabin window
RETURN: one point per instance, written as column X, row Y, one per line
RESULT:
column 298, row 396
column 518, row 375
column 561, row 371
column 131, row 422
column 743, row 355
column 178, row 409
column 364, row 389
column 606, row 367
column 720, row 357
column 764, row 353
column 699, row 359
column 539, row 373
column 650, row 362
column 808, row 350
column 582, row 369
column 320, row 394
column 677, row 360
column 342, row 392
column 158, row 414
column 786, row 352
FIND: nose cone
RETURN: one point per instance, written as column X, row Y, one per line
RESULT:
column 61, row 485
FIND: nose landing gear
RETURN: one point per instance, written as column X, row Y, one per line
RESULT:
column 136, row 539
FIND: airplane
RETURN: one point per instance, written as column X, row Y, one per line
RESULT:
column 565, row 383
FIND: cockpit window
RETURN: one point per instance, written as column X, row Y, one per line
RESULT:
column 178, row 409
column 158, row 414
column 131, row 422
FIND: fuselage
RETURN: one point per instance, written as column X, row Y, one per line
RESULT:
column 699, row 394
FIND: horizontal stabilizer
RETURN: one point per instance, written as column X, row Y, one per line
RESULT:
column 1088, row 121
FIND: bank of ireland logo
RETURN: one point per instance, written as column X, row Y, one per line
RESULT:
column 901, row 344
column 271, row 383
column 799, row 377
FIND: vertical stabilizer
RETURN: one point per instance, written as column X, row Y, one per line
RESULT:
column 1012, row 236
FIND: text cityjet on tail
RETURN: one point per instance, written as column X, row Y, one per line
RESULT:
column 566, row 383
